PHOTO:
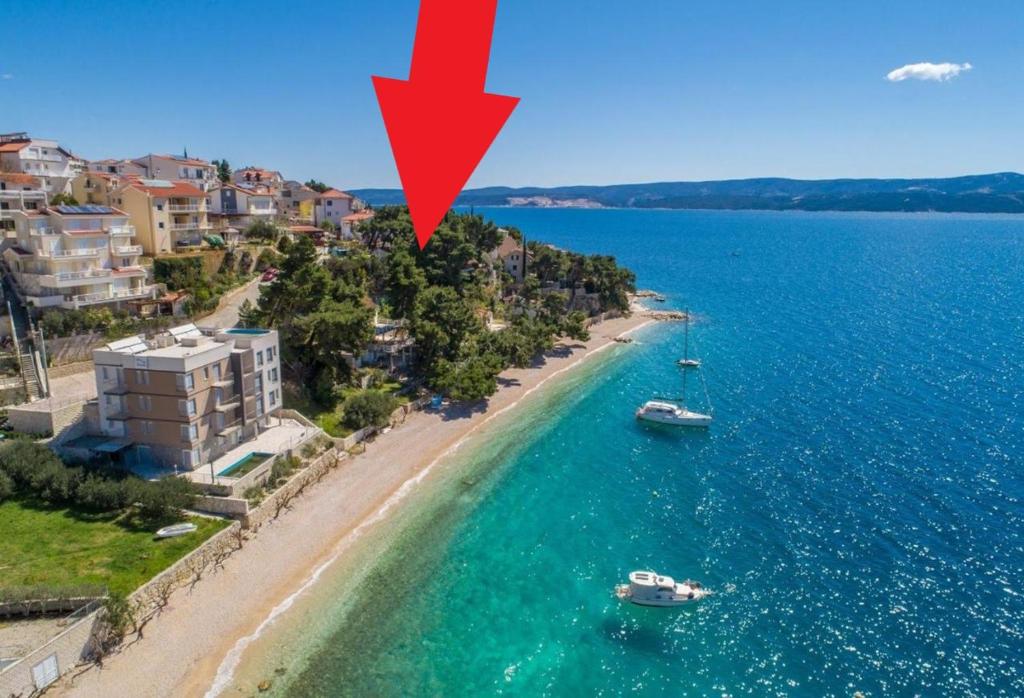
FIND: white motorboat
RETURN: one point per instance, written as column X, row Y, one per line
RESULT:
column 672, row 414
column 175, row 530
column 652, row 589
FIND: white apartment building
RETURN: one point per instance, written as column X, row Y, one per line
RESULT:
column 238, row 206
column 19, row 192
column 333, row 206
column 112, row 166
column 198, row 173
column 76, row 256
column 45, row 159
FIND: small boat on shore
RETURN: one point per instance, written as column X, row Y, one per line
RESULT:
column 652, row 589
column 175, row 530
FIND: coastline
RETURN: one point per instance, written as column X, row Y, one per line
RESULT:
column 194, row 647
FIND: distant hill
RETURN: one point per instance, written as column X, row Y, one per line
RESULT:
column 990, row 193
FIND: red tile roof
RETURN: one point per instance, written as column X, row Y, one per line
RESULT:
column 335, row 194
column 13, row 147
column 358, row 217
column 187, row 161
column 18, row 178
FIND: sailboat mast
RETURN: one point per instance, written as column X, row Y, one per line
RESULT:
column 686, row 341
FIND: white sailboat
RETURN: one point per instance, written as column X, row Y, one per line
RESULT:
column 686, row 361
column 674, row 412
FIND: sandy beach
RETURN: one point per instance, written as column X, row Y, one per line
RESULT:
column 203, row 632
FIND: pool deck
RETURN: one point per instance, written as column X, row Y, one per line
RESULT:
column 285, row 434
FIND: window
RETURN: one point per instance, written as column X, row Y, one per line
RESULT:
column 259, row 359
column 197, row 456
column 273, row 375
column 259, row 382
column 186, row 381
column 187, row 407
column 216, row 372
column 206, row 373
column 106, row 373
column 218, row 396
column 145, row 403
column 160, row 225
column 189, row 432
column 141, row 377
column 159, row 207
column 147, row 427
column 259, row 406
column 186, row 459
column 273, row 398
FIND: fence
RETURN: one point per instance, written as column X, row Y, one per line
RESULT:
column 45, row 664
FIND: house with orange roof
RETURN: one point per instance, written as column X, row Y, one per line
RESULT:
column 112, row 166
column 350, row 223
column 168, row 215
column 199, row 173
column 295, row 201
column 76, row 256
column 42, row 158
column 332, row 205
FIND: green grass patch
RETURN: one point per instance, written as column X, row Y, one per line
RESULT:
column 54, row 546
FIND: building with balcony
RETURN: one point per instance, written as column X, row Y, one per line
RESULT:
column 181, row 399
column 167, row 215
column 295, row 201
column 98, row 188
column 53, row 165
column 238, row 206
column 111, row 166
column 199, row 173
column 18, row 192
column 333, row 206
column 76, row 256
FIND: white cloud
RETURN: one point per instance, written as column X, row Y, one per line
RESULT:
column 939, row 72
column 7, row 76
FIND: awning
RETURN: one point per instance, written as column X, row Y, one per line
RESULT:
column 112, row 446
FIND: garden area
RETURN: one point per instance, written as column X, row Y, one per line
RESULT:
column 68, row 526
column 355, row 408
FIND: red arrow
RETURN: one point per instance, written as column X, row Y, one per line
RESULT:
column 440, row 121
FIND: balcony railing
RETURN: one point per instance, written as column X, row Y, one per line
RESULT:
column 180, row 227
column 137, row 292
column 72, row 253
column 75, row 302
column 121, row 230
column 42, row 232
column 184, row 208
column 128, row 250
column 72, row 278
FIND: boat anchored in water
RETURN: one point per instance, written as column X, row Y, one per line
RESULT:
column 686, row 361
column 652, row 589
column 672, row 411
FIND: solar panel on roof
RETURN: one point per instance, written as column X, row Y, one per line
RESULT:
column 86, row 209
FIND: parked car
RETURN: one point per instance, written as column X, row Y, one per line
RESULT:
column 269, row 274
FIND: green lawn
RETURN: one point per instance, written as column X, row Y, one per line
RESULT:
column 330, row 420
column 42, row 545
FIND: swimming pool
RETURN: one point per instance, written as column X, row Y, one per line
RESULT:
column 244, row 330
column 245, row 464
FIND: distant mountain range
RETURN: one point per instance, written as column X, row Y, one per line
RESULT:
column 990, row 193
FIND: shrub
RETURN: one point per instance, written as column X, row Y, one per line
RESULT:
column 179, row 272
column 369, row 408
column 268, row 258
column 163, row 499
column 102, row 494
column 262, row 230
column 6, row 487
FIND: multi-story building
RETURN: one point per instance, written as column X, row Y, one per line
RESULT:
column 333, row 206
column 18, row 192
column 167, row 215
column 116, row 167
column 199, row 173
column 295, row 201
column 93, row 187
column 257, row 175
column 54, row 166
column 76, row 256
column 184, row 398
column 238, row 206
column 512, row 257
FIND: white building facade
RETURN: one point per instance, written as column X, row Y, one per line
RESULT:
column 54, row 166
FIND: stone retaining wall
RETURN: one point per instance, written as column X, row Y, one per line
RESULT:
column 281, row 498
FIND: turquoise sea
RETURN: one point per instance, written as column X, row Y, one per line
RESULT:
column 857, row 505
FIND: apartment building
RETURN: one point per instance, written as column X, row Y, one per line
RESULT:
column 184, row 398
column 199, row 173
column 97, row 188
column 53, row 165
column 295, row 201
column 167, row 215
column 333, row 206
column 18, row 192
column 238, row 206
column 76, row 256
column 112, row 166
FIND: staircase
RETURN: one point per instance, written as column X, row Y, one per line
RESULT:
column 28, row 373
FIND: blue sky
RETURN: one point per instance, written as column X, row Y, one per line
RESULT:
column 611, row 91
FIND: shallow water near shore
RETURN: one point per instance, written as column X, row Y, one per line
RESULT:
column 856, row 505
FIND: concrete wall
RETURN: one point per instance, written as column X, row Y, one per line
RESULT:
column 70, row 648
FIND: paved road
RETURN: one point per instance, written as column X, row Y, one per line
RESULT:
column 227, row 314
